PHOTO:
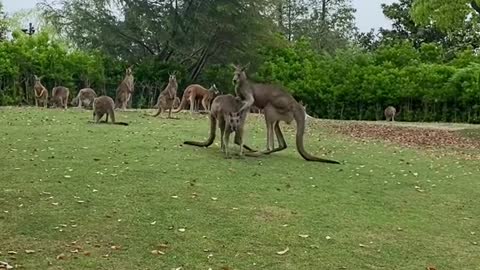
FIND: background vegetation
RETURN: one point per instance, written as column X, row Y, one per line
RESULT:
column 430, row 71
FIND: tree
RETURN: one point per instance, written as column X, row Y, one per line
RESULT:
column 446, row 14
column 3, row 23
column 405, row 28
column 329, row 24
column 190, row 32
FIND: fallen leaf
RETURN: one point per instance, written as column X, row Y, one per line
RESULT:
column 29, row 251
column 11, row 252
column 283, row 251
column 303, row 235
column 328, row 237
column 181, row 230
column 61, row 256
column 214, row 199
column 157, row 252
column 5, row 265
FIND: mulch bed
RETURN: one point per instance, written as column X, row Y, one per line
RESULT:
column 408, row 136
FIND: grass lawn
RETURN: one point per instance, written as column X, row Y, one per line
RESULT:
column 84, row 196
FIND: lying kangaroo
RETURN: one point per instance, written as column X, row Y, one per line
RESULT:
column 225, row 111
column 277, row 105
column 390, row 113
column 41, row 93
column 167, row 97
column 104, row 105
column 60, row 97
column 125, row 90
column 85, row 98
column 195, row 92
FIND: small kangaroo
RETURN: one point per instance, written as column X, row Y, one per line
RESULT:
column 60, row 97
column 390, row 113
column 104, row 105
column 41, row 93
column 167, row 97
column 125, row 90
column 224, row 110
column 85, row 98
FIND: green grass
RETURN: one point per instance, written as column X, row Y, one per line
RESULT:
column 387, row 207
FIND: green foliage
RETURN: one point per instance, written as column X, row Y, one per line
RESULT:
column 359, row 85
column 446, row 14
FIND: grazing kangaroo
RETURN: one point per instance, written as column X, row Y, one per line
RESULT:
column 390, row 113
column 41, row 93
column 195, row 92
column 277, row 105
column 60, row 97
column 85, row 98
column 104, row 105
column 167, row 97
column 125, row 90
column 225, row 111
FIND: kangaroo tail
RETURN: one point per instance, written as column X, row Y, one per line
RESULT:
column 213, row 128
column 299, row 115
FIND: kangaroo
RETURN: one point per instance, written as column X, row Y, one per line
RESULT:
column 85, row 98
column 166, row 99
column 390, row 113
column 225, row 111
column 104, row 105
column 277, row 105
column 41, row 93
column 195, row 92
column 125, row 90
column 176, row 103
column 60, row 97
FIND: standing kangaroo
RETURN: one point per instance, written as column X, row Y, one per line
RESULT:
column 125, row 90
column 390, row 113
column 41, row 93
column 167, row 97
column 60, row 97
column 225, row 111
column 195, row 92
column 277, row 105
column 85, row 98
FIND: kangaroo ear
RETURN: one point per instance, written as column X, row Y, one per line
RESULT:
column 246, row 67
column 234, row 66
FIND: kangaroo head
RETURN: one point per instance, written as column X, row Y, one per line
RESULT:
column 239, row 73
column 37, row 79
column 129, row 71
column 234, row 119
column 214, row 89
